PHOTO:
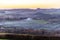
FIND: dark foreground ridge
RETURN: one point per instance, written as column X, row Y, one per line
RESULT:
column 11, row 36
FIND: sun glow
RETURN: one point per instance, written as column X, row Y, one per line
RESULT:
column 29, row 3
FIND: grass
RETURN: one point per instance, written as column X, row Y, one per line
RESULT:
column 3, row 39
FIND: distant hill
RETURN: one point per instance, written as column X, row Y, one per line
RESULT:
column 18, row 14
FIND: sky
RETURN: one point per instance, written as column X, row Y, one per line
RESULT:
column 29, row 4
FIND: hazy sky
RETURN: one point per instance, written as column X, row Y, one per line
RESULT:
column 29, row 3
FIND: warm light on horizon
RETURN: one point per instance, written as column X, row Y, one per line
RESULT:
column 29, row 4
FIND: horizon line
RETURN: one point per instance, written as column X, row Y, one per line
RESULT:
column 29, row 8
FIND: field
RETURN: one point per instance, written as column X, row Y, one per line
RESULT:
column 40, row 21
